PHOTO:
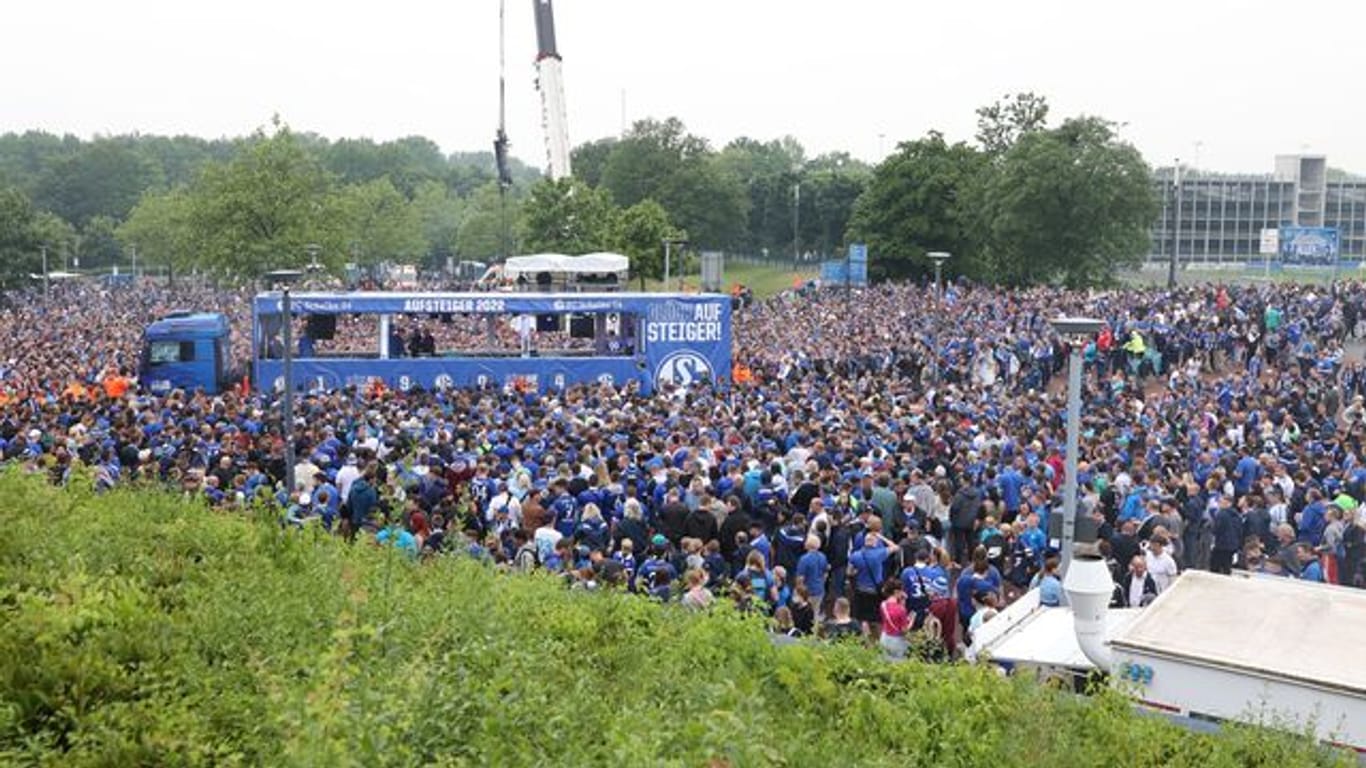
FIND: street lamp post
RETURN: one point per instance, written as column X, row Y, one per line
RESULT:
column 938, row 257
column 669, row 242
column 284, row 278
column 47, row 287
column 1176, row 238
column 1077, row 330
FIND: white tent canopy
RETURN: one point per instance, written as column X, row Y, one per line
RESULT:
column 560, row 264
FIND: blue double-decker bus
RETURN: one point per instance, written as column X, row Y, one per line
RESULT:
column 535, row 342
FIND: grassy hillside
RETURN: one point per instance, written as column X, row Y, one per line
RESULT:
column 764, row 279
column 138, row 629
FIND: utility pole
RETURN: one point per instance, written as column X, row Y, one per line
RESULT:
column 848, row 276
column 500, row 142
column 1176, row 237
column 1078, row 331
column 288, row 406
column 282, row 279
column 669, row 243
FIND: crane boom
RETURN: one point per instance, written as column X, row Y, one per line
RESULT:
column 550, row 82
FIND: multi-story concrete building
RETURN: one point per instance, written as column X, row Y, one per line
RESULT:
column 1221, row 216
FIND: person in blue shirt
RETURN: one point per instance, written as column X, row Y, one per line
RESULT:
column 399, row 537
column 1012, row 482
column 1312, row 569
column 812, row 568
column 981, row 577
column 656, row 562
column 1050, row 586
column 563, row 508
column 867, row 562
column 1245, row 474
column 759, row 542
column 1314, row 518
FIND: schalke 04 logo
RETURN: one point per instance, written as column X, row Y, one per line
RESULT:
column 683, row 369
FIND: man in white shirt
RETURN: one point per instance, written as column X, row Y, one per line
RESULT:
column 546, row 537
column 1160, row 563
column 304, row 471
column 504, row 502
column 346, row 476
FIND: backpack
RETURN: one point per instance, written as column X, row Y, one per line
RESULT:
column 529, row 548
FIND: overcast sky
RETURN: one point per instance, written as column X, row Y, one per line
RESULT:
column 1244, row 80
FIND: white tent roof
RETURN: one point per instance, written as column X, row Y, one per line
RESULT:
column 1029, row 633
column 601, row 263
column 592, row 263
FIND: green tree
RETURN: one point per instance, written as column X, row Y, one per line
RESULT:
column 1001, row 124
column 438, row 214
column 102, row 178
column 259, row 211
column 590, row 159
column 20, row 241
column 1070, row 205
column 27, row 158
column 831, row 185
column 98, row 245
column 479, row 234
column 568, row 216
column 769, row 172
column 660, row 160
column 640, row 233
column 376, row 222
column 918, row 201
column 159, row 228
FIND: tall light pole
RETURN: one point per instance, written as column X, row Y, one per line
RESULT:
column 283, row 278
column 1176, row 238
column 938, row 257
column 1077, row 331
column 669, row 242
column 796, row 224
column 47, row 286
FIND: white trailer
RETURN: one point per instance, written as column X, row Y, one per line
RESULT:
column 1266, row 650
column 1269, row 650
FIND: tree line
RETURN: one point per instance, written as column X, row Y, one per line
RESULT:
column 1023, row 203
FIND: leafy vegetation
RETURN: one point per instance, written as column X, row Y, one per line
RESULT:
column 1024, row 203
column 1028, row 204
column 139, row 628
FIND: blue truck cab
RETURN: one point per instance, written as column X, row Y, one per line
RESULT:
column 186, row 350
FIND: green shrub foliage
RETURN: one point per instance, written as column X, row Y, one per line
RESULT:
column 138, row 628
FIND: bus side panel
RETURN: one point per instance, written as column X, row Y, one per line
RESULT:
column 529, row 373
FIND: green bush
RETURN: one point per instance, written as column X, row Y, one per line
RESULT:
column 139, row 629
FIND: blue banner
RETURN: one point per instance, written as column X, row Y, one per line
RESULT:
column 1309, row 245
column 684, row 339
column 852, row 270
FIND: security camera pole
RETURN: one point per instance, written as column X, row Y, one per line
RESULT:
column 1077, row 331
column 938, row 257
column 283, row 278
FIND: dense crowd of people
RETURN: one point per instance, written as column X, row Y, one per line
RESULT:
column 888, row 468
